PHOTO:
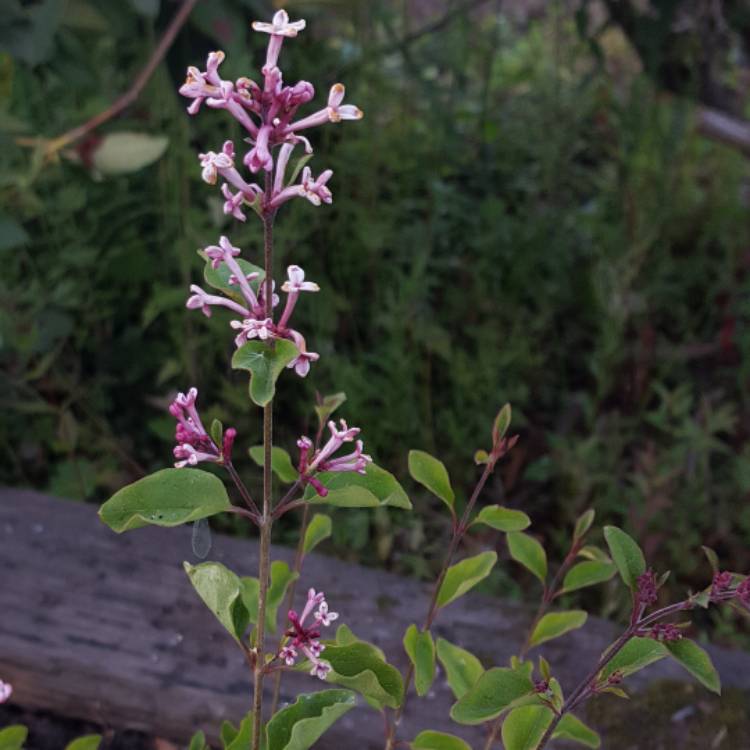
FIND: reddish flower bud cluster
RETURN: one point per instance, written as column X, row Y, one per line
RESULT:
column 664, row 631
column 647, row 588
column 743, row 592
column 721, row 583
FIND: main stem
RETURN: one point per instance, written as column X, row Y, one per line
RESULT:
column 459, row 529
column 266, row 520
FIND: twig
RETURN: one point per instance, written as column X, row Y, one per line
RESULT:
column 52, row 146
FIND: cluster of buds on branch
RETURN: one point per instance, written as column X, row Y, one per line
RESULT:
column 304, row 639
column 322, row 459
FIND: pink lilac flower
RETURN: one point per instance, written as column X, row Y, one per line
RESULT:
column 743, row 592
column 306, row 639
column 322, row 459
column 301, row 364
column 268, row 114
column 6, row 690
column 194, row 444
column 293, row 286
column 200, row 300
column 252, row 328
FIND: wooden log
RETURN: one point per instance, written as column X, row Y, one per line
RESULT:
column 107, row 628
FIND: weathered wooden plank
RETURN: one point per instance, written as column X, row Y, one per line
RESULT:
column 107, row 628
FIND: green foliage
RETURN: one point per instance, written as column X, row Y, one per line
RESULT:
column 462, row 668
column 13, row 737
column 281, row 578
column 573, row 729
column 281, row 462
column 636, row 654
column 494, row 692
column 361, row 667
column 300, row 725
column 420, row 648
column 89, row 742
column 555, row 624
column 318, row 530
column 354, row 490
column 431, row 473
column 222, row 592
column 464, row 575
column 240, row 738
column 265, row 361
column 198, row 742
column 696, row 661
column 429, row 740
column 169, row 497
column 503, row 519
column 587, row 573
column 527, row 551
column 626, row 554
column 524, row 727
column 327, row 405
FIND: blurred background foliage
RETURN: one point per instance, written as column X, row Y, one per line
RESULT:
column 525, row 214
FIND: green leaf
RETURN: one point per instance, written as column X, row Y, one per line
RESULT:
column 217, row 431
column 300, row 725
column 169, row 497
column 89, row 742
column 693, row 658
column 529, row 552
column 218, row 278
column 228, row 732
column 587, row 573
column 319, row 528
column 221, row 591
column 281, row 462
column 573, row 729
column 344, row 637
column 524, row 727
column 502, row 423
column 626, row 554
column 583, row 524
column 420, row 649
column 429, row 740
column 555, row 624
column 712, row 557
column 493, row 692
column 592, row 552
column 298, row 168
column 360, row 667
column 464, row 575
column 462, row 668
column 503, row 519
column 327, row 405
column 13, row 737
column 433, row 475
column 281, row 577
column 351, row 489
column 243, row 736
column 636, row 654
column 124, row 153
column 198, row 742
column 265, row 361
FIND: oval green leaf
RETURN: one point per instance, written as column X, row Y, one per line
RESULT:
column 360, row 667
column 281, row 462
column 198, row 742
column 319, row 529
column 433, row 475
column 587, row 573
column 626, row 554
column 221, row 591
column 555, row 624
column 89, row 742
column 636, row 654
column 281, row 577
column 169, row 497
column 583, row 524
column 353, row 490
column 462, row 668
column 696, row 661
column 524, row 727
column 300, row 725
column 420, row 648
column 13, row 737
column 429, row 740
column 573, row 729
column 493, row 692
column 464, row 575
column 327, row 405
column 265, row 361
column 503, row 519
column 527, row 551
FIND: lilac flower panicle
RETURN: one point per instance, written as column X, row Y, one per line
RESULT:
column 305, row 640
